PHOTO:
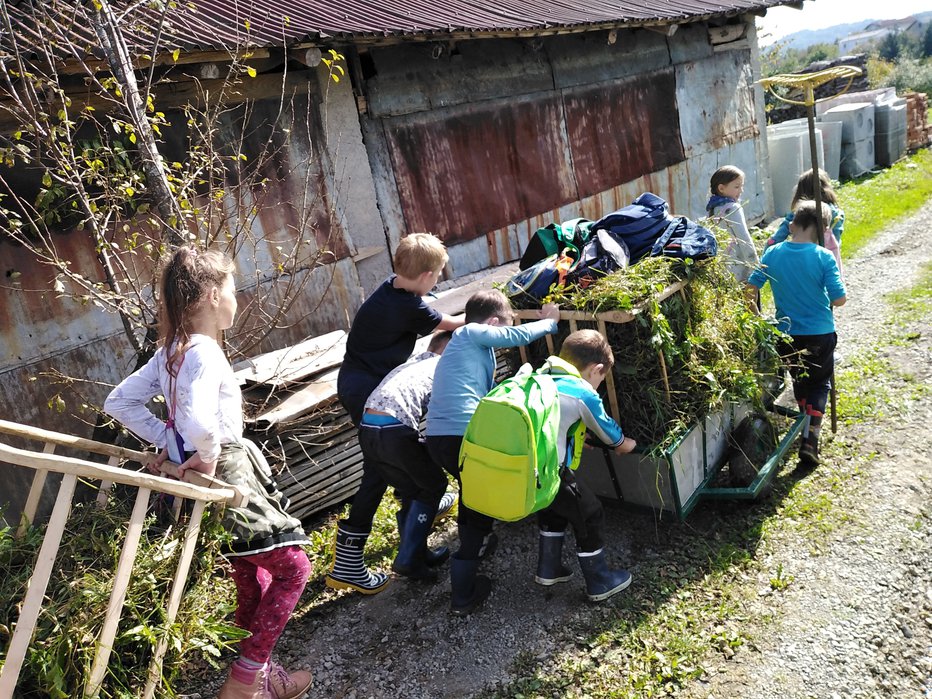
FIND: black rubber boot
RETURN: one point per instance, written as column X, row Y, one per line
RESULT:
column 550, row 568
column 349, row 572
column 809, row 451
column 469, row 590
column 410, row 560
column 601, row 581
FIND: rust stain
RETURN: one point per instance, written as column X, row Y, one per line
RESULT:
column 620, row 131
column 481, row 168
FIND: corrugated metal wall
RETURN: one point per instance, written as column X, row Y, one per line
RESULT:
column 483, row 142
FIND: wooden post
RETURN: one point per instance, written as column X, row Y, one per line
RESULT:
column 35, row 494
column 174, row 597
column 610, row 381
column 663, row 373
column 38, row 584
column 118, row 594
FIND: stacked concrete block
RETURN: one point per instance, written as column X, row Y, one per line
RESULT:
column 786, row 163
column 890, row 131
column 857, row 137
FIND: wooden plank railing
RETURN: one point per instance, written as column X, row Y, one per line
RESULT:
column 202, row 490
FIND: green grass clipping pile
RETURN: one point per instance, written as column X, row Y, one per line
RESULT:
column 715, row 349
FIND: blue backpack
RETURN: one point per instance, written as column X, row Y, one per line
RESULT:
column 684, row 238
column 637, row 225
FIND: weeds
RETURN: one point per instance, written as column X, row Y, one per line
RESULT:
column 63, row 646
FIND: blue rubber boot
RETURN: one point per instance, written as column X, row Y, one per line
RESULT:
column 469, row 590
column 601, row 581
column 550, row 568
column 432, row 557
column 410, row 560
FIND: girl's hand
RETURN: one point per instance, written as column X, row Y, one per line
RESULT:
column 550, row 311
column 626, row 447
column 195, row 463
column 155, row 461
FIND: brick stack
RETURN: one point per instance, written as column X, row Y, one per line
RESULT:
column 918, row 129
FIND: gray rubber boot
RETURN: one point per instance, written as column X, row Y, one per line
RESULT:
column 550, row 568
column 601, row 581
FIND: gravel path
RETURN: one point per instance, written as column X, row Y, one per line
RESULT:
column 856, row 620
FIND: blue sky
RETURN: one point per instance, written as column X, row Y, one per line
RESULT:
column 818, row 14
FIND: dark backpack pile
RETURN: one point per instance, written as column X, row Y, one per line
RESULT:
column 637, row 225
column 684, row 238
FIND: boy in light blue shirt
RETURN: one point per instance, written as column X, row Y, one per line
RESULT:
column 465, row 373
column 806, row 286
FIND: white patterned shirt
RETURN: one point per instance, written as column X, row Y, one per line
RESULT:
column 405, row 392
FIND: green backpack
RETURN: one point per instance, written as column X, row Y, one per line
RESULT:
column 509, row 466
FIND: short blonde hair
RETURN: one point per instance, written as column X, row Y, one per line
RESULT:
column 584, row 348
column 419, row 253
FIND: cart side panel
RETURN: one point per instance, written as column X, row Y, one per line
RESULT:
column 642, row 480
column 687, row 459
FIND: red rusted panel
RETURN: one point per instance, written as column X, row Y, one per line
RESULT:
column 621, row 131
column 461, row 175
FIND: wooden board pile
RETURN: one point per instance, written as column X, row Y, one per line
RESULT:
column 292, row 413
column 918, row 130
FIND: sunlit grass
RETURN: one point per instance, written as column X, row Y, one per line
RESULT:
column 874, row 201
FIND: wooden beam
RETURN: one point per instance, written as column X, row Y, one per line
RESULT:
column 121, row 581
column 35, row 494
column 166, row 59
column 727, row 33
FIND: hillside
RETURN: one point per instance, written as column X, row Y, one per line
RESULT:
column 829, row 35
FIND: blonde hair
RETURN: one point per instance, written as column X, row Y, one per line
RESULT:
column 419, row 253
column 584, row 348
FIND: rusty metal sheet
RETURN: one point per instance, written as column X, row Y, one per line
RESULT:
column 717, row 102
column 622, row 130
column 603, row 56
column 464, row 172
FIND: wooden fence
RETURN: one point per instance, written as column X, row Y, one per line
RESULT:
column 201, row 490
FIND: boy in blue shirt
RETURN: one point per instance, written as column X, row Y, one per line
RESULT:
column 465, row 373
column 382, row 337
column 585, row 359
column 806, row 286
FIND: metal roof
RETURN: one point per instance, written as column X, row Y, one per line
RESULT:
column 219, row 24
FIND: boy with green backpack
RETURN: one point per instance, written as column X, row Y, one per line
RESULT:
column 522, row 446
column 585, row 359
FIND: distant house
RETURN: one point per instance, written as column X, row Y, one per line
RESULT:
column 875, row 31
column 477, row 120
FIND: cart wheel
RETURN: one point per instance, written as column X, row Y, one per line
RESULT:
column 752, row 443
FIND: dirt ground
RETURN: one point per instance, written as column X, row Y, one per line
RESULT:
column 854, row 620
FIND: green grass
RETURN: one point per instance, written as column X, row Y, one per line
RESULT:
column 872, row 202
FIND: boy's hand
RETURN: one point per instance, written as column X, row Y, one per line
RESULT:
column 196, row 464
column 626, row 447
column 550, row 311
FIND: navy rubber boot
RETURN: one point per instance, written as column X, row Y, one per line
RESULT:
column 432, row 557
column 469, row 590
column 410, row 560
column 550, row 568
column 601, row 581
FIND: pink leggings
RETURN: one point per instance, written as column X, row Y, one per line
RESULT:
column 268, row 587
